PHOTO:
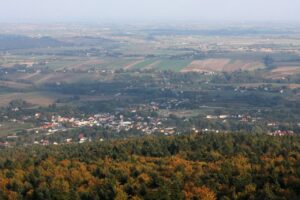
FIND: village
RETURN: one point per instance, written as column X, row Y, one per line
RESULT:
column 110, row 122
column 132, row 121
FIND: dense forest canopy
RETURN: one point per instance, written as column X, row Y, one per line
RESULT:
column 196, row 166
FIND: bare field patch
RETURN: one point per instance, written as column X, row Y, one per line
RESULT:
column 255, row 85
column 69, row 77
column 88, row 63
column 35, row 98
column 294, row 86
column 283, row 71
column 206, row 65
column 15, row 85
column 220, row 64
column 286, row 70
column 10, row 61
column 180, row 113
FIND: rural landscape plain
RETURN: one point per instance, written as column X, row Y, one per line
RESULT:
column 150, row 109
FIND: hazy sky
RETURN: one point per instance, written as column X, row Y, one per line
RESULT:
column 165, row 10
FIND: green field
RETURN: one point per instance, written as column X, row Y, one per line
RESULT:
column 9, row 128
column 173, row 65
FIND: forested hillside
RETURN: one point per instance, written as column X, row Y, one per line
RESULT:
column 209, row 166
column 11, row 42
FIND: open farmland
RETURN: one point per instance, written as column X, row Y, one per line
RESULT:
column 173, row 65
column 10, row 128
column 149, row 100
column 222, row 65
column 144, row 64
column 15, row 85
column 284, row 71
column 161, row 64
column 34, row 98
column 76, row 63
column 154, row 72
column 62, row 77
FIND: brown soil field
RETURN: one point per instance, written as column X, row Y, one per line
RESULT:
column 34, row 98
column 88, row 63
column 283, row 71
column 254, row 85
column 70, row 77
column 294, row 86
column 14, row 85
column 11, row 64
column 218, row 65
column 286, row 70
column 67, row 78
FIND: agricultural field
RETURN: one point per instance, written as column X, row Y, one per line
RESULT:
column 222, row 65
column 10, row 128
column 33, row 98
column 283, row 71
column 172, row 78
column 163, row 64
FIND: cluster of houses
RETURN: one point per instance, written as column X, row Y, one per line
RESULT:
column 133, row 118
column 4, row 144
column 147, row 125
column 112, row 122
column 205, row 130
column 281, row 133
column 217, row 116
column 122, row 120
column 241, row 117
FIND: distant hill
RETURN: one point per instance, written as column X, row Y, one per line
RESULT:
column 12, row 42
column 218, row 32
column 89, row 41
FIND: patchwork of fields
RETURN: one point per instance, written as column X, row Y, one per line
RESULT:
column 34, row 98
column 190, row 65
column 219, row 65
column 102, row 54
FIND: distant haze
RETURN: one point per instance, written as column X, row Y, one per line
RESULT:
column 149, row 10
